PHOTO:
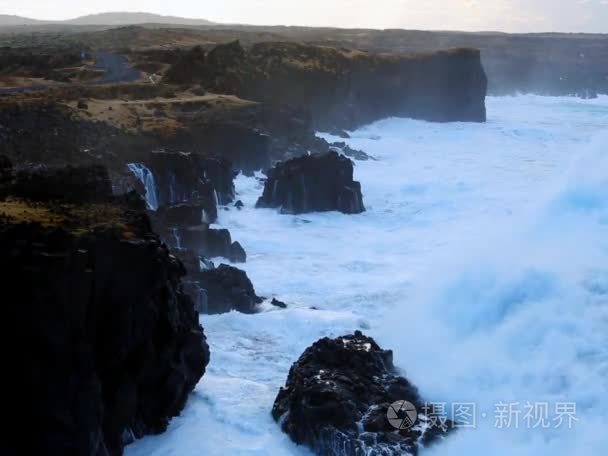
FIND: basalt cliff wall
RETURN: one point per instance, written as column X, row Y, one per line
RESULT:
column 341, row 88
column 100, row 342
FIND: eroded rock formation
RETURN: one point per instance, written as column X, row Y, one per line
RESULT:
column 227, row 289
column 183, row 177
column 313, row 183
column 210, row 243
column 337, row 395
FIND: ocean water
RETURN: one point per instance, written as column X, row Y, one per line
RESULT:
column 482, row 261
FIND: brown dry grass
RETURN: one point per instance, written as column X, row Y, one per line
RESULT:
column 156, row 115
column 80, row 220
column 24, row 212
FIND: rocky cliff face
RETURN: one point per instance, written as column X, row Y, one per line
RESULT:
column 227, row 289
column 188, row 189
column 345, row 89
column 183, row 177
column 103, row 344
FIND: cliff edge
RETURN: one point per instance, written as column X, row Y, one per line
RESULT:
column 103, row 345
column 344, row 88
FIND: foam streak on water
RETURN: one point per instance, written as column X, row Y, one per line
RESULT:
column 481, row 260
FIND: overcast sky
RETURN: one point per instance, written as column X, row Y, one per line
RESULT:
column 504, row 15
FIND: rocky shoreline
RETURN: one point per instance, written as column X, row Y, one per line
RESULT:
column 113, row 346
column 109, row 201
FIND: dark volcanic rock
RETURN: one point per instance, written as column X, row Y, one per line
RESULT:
column 313, row 183
column 187, row 214
column 52, row 133
column 182, row 177
column 336, row 399
column 253, row 136
column 280, row 304
column 237, row 253
column 190, row 260
column 69, row 184
column 228, row 289
column 211, row 243
column 6, row 175
column 247, row 148
column 104, row 345
column 346, row 89
column 345, row 149
column 188, row 67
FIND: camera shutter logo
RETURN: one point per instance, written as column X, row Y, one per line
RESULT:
column 402, row 415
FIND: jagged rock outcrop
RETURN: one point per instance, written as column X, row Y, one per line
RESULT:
column 251, row 135
column 182, row 177
column 210, row 243
column 337, row 395
column 248, row 148
column 197, row 184
column 280, row 304
column 187, row 214
column 346, row 89
column 313, row 183
column 227, row 289
column 344, row 149
column 103, row 345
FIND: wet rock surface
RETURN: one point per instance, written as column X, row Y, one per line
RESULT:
column 211, row 243
column 227, row 289
column 194, row 186
column 280, row 304
column 182, row 177
column 313, row 183
column 345, row 149
column 187, row 214
column 337, row 396
column 109, row 346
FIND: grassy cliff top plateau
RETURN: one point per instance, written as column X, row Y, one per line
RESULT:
column 78, row 219
column 547, row 63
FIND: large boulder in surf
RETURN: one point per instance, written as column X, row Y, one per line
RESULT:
column 313, row 183
column 227, row 289
column 337, row 398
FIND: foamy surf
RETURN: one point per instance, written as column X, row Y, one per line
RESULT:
column 481, row 260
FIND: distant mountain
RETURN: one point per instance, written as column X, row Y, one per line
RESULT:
column 113, row 18
column 118, row 18
column 7, row 20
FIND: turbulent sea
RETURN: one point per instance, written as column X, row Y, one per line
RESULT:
column 482, row 261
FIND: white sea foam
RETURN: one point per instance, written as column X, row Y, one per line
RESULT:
column 481, row 260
